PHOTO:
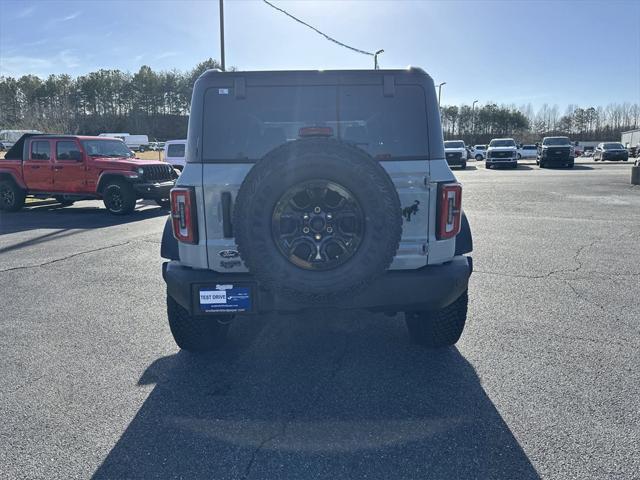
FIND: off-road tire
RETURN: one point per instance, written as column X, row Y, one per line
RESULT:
column 321, row 159
column 164, row 204
column 11, row 196
column 127, row 197
column 438, row 328
column 64, row 200
column 193, row 333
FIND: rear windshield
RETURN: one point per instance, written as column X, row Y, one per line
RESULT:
column 613, row 146
column 556, row 141
column 502, row 143
column 453, row 144
column 176, row 150
column 247, row 128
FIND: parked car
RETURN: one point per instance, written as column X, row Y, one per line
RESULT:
column 174, row 153
column 502, row 151
column 527, row 151
column 555, row 151
column 479, row 152
column 156, row 146
column 456, row 153
column 588, row 151
column 614, row 151
column 71, row 168
column 9, row 137
column 304, row 190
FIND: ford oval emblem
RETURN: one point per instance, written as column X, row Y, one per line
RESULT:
column 228, row 253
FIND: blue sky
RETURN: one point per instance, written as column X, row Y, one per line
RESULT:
column 572, row 52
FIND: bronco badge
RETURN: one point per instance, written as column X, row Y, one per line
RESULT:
column 412, row 210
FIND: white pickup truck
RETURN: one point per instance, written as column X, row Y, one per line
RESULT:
column 455, row 152
column 502, row 151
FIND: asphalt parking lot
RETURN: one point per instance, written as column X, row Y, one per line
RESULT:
column 543, row 384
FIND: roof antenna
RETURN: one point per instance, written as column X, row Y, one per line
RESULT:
column 375, row 59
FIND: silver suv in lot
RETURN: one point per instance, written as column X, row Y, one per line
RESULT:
column 310, row 189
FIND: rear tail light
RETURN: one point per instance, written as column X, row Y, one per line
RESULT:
column 449, row 210
column 183, row 214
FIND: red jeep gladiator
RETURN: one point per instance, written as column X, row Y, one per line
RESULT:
column 71, row 168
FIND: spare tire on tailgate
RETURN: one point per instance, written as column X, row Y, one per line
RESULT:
column 317, row 219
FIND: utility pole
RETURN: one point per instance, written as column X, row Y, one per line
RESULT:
column 222, row 63
column 440, row 91
column 375, row 59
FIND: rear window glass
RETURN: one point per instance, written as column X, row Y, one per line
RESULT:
column 176, row 150
column 248, row 128
column 40, row 150
column 67, row 151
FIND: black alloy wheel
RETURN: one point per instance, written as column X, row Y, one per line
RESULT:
column 318, row 225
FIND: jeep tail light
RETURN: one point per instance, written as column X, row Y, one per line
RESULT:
column 183, row 214
column 449, row 210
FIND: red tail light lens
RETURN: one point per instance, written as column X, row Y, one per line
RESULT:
column 184, row 214
column 449, row 210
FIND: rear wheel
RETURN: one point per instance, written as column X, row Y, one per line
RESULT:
column 438, row 328
column 11, row 196
column 64, row 200
column 119, row 197
column 196, row 334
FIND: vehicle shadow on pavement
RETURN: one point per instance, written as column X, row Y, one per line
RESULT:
column 69, row 218
column 340, row 396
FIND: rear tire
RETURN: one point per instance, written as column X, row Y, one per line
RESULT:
column 64, row 200
column 196, row 334
column 119, row 197
column 11, row 196
column 438, row 328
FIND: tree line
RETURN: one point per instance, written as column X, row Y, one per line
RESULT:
column 147, row 102
column 157, row 103
column 481, row 124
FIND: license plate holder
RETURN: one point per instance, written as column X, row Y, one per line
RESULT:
column 224, row 298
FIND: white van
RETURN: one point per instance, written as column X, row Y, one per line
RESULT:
column 174, row 153
column 134, row 142
column 9, row 137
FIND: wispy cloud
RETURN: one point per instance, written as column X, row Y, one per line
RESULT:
column 71, row 16
column 26, row 12
column 160, row 56
column 17, row 65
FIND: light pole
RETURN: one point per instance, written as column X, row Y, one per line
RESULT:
column 222, row 36
column 473, row 121
column 440, row 91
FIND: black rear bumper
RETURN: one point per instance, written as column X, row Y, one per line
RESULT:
column 154, row 191
column 429, row 288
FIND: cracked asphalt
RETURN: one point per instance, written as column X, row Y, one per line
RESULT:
column 543, row 384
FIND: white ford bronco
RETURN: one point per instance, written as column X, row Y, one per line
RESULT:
column 316, row 189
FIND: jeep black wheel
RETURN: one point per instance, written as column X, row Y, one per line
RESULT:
column 438, row 328
column 64, row 200
column 11, row 196
column 324, row 229
column 165, row 204
column 119, row 197
column 196, row 334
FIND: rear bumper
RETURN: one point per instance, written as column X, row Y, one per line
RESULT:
column 153, row 191
column 429, row 288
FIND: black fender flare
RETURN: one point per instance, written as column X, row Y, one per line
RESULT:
column 464, row 241
column 169, row 245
